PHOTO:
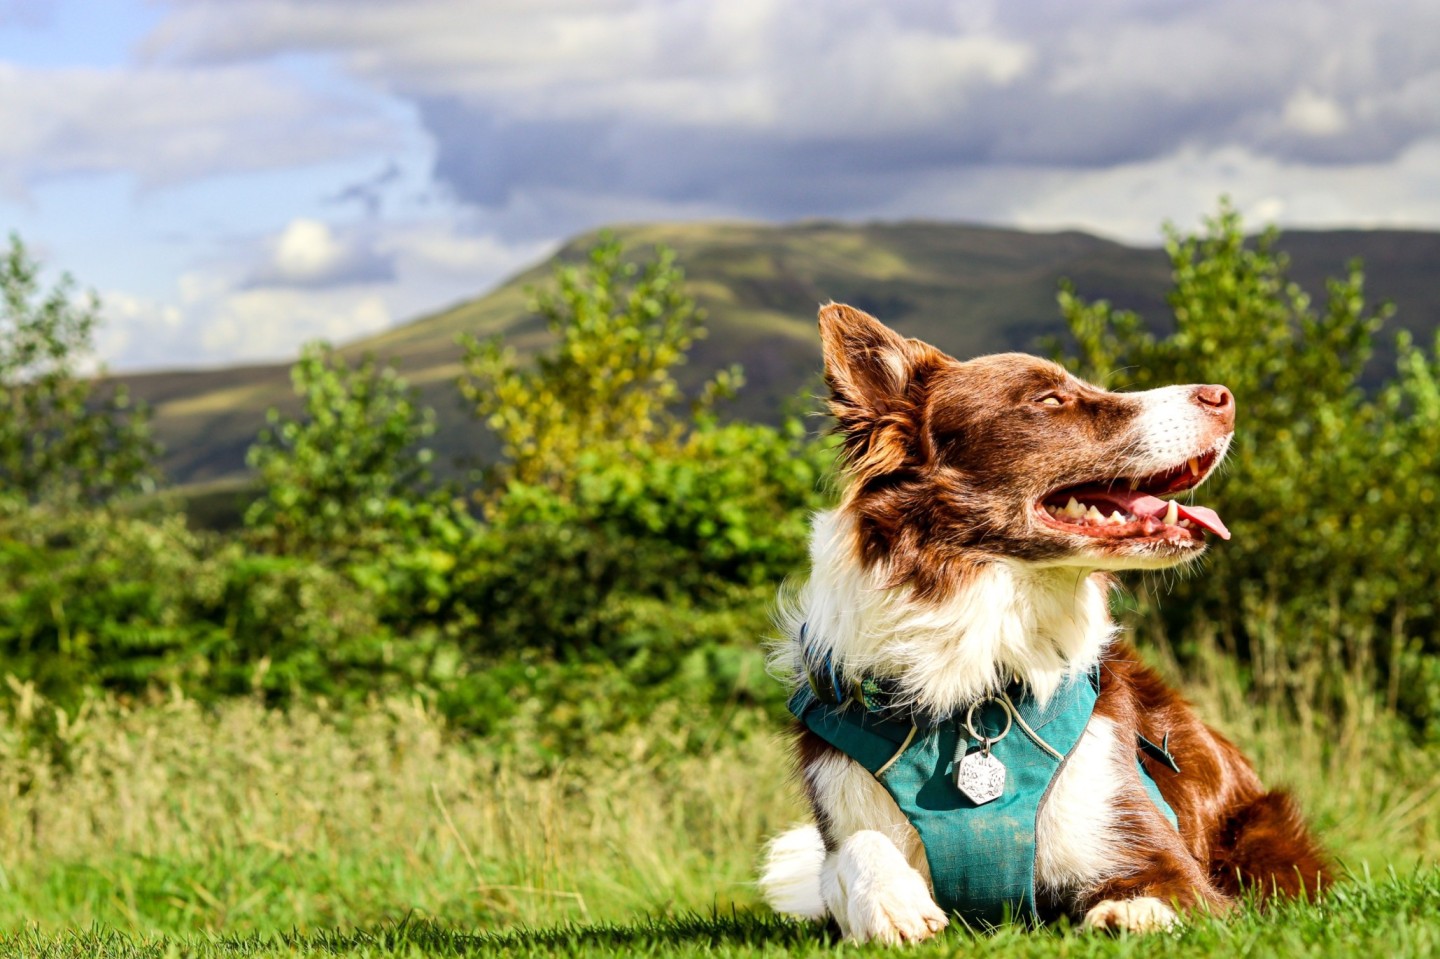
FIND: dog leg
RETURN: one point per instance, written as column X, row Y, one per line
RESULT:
column 875, row 879
column 1104, row 851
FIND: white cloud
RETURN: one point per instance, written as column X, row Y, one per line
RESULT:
column 309, row 253
column 167, row 124
column 1311, row 114
column 307, row 249
column 273, row 293
column 269, row 323
column 1130, row 201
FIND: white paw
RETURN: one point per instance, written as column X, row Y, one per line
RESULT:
column 880, row 897
column 1146, row 914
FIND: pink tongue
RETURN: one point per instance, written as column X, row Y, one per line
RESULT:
column 1144, row 505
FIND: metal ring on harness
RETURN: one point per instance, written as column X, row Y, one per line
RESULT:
column 988, row 741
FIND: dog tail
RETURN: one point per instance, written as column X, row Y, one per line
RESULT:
column 790, row 878
column 1266, row 847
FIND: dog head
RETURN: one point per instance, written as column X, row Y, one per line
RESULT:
column 1011, row 456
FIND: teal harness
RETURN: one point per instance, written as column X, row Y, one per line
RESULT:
column 981, row 854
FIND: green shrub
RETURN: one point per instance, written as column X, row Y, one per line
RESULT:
column 336, row 480
column 621, row 329
column 563, row 570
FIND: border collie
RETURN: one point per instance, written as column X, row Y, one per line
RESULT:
column 983, row 504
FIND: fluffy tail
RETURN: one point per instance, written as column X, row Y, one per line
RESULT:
column 790, row 878
column 1266, row 847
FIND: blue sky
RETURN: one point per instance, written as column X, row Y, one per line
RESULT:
column 237, row 176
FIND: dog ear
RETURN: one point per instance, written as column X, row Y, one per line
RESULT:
column 876, row 379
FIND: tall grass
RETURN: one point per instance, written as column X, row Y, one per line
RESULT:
column 169, row 816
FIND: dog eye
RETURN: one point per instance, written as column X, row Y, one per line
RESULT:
column 1051, row 400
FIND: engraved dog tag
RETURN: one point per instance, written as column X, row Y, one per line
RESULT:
column 981, row 777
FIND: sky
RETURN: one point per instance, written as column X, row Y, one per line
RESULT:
column 236, row 177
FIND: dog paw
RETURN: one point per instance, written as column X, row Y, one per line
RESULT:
column 884, row 899
column 898, row 914
column 1146, row 914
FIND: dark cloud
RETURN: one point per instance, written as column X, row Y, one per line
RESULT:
column 837, row 108
column 370, row 192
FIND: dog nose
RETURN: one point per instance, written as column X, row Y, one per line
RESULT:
column 1218, row 399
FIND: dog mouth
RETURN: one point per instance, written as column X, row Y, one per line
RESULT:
column 1136, row 508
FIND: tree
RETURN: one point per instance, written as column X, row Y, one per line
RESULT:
column 60, row 438
column 621, row 330
column 332, row 477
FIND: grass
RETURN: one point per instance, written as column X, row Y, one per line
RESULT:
column 1396, row 917
column 172, row 828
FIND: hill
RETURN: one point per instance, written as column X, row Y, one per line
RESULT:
column 968, row 289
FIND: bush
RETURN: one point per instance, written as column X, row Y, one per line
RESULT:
column 621, row 329
column 94, row 599
column 337, row 480
column 564, row 571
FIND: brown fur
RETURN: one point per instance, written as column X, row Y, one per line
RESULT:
column 1234, row 836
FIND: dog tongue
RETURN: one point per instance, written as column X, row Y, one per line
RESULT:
column 1145, row 505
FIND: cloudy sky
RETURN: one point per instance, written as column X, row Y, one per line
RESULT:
column 237, row 176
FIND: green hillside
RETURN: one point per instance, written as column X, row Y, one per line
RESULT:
column 969, row 289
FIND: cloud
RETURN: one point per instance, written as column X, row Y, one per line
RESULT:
column 309, row 254
column 370, row 192
column 536, row 118
column 779, row 109
column 311, row 280
column 168, row 124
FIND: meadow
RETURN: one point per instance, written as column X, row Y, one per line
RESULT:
column 529, row 714
column 174, row 828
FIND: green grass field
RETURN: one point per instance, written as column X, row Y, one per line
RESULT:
column 171, row 828
column 1390, row 917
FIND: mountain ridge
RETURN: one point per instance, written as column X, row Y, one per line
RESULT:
column 970, row 289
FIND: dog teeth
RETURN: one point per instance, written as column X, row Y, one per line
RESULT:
column 1073, row 509
column 1094, row 515
column 1134, row 484
column 1194, row 466
column 1172, row 512
column 1116, row 519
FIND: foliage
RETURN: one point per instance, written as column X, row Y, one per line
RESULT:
column 336, row 480
column 621, row 330
column 1330, row 492
column 96, row 599
column 681, row 527
column 60, row 438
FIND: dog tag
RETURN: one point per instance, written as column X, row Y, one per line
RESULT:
column 981, row 777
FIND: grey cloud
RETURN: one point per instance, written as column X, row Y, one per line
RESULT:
column 370, row 192
column 836, row 108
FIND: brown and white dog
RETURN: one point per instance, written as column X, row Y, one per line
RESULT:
column 983, row 503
